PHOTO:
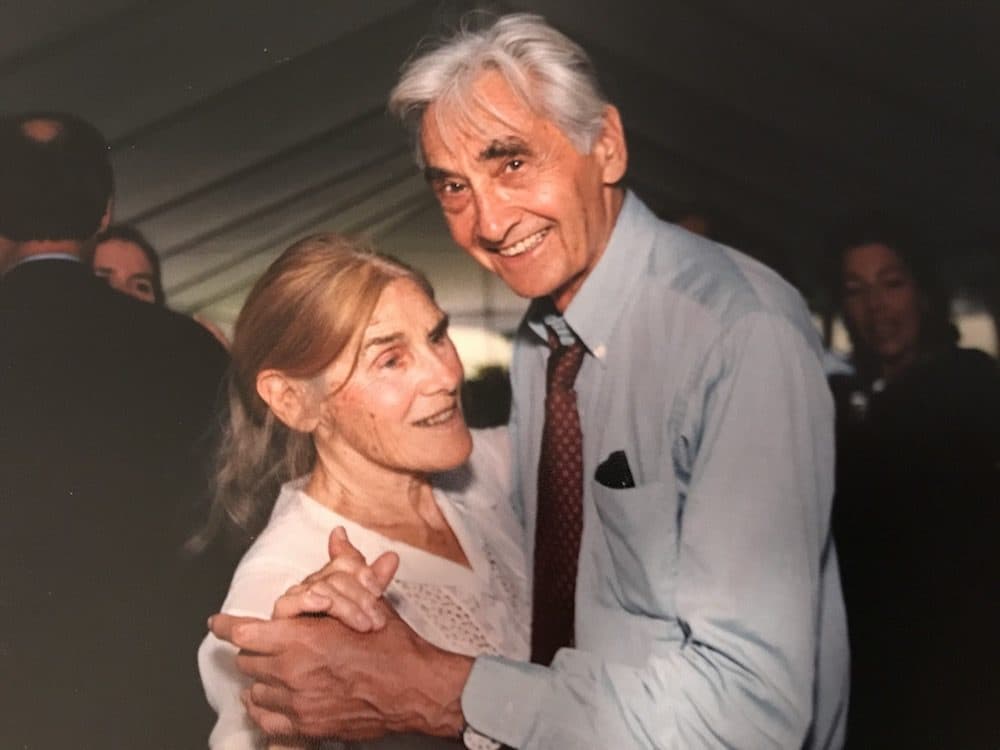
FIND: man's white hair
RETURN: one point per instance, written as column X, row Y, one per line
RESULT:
column 548, row 71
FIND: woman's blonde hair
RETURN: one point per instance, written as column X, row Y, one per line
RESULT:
column 308, row 308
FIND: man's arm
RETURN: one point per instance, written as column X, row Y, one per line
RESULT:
column 316, row 677
column 739, row 671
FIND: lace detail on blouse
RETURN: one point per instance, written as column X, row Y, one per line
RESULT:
column 492, row 620
column 443, row 609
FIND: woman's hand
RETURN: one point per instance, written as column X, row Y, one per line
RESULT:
column 346, row 588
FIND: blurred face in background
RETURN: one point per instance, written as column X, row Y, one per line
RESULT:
column 125, row 267
column 882, row 303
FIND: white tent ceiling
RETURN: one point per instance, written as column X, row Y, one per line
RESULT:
column 239, row 125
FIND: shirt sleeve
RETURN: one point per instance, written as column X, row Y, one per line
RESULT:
column 254, row 589
column 752, row 541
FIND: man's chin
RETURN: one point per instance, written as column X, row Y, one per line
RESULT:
column 525, row 285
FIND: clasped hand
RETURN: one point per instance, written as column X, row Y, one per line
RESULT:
column 316, row 676
column 346, row 588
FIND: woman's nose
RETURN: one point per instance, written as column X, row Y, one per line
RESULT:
column 443, row 369
column 875, row 299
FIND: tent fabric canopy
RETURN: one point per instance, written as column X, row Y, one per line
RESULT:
column 238, row 126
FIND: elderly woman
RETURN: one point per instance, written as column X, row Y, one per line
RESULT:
column 344, row 406
column 915, row 517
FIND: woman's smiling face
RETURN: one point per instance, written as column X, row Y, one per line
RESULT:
column 399, row 408
column 882, row 302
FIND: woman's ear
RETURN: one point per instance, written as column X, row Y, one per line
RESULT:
column 289, row 399
column 610, row 147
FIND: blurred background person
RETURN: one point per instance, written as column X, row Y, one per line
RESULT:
column 915, row 515
column 127, row 261
column 344, row 405
column 107, row 404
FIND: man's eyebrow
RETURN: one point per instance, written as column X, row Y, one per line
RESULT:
column 504, row 149
column 440, row 328
column 497, row 149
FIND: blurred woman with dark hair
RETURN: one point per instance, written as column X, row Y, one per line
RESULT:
column 126, row 260
column 918, row 442
column 895, row 307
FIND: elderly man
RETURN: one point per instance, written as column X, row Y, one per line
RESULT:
column 104, row 401
column 673, row 437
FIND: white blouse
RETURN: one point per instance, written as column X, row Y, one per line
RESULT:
column 482, row 610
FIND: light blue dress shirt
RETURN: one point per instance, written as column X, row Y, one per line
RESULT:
column 708, row 605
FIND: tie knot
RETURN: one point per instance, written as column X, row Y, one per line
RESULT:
column 564, row 361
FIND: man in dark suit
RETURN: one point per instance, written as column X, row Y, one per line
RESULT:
column 106, row 406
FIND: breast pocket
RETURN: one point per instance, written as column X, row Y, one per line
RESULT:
column 640, row 528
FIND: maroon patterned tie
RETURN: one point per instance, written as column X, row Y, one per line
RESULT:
column 560, row 506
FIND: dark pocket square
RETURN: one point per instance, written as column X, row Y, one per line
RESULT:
column 614, row 472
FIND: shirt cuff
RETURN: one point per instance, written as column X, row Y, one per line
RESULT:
column 501, row 698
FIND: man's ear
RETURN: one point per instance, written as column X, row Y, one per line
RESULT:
column 288, row 399
column 610, row 147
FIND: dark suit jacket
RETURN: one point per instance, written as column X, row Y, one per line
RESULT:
column 106, row 405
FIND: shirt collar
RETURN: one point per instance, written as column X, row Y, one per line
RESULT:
column 597, row 306
column 48, row 256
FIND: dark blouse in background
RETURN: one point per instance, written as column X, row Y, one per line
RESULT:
column 916, row 524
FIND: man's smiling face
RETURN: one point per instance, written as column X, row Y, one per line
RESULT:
column 516, row 193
